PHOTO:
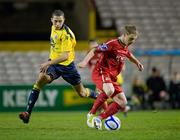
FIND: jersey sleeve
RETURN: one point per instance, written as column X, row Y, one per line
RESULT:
column 129, row 54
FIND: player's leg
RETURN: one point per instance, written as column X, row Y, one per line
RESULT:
column 108, row 90
column 71, row 75
column 91, row 116
column 85, row 92
column 104, row 105
column 104, row 85
column 75, row 80
column 119, row 103
column 42, row 80
column 114, row 106
column 40, row 83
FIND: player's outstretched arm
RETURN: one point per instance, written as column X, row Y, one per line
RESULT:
column 136, row 61
column 84, row 62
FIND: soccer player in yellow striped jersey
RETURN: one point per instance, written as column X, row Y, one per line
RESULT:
column 60, row 64
column 62, row 41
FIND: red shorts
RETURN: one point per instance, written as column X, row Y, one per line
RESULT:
column 99, row 78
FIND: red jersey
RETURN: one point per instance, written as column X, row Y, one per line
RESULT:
column 112, row 57
column 92, row 62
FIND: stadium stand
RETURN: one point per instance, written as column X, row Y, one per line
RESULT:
column 23, row 67
column 158, row 21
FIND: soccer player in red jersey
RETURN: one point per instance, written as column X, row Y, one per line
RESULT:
column 91, row 64
column 104, row 75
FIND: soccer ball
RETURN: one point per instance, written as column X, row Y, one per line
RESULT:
column 112, row 123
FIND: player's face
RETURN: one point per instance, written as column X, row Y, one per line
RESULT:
column 130, row 38
column 57, row 21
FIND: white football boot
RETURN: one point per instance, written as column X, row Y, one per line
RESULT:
column 97, row 123
column 127, row 108
column 90, row 122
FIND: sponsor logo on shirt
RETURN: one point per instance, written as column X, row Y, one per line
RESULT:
column 103, row 47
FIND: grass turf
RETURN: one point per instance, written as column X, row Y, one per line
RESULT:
column 142, row 125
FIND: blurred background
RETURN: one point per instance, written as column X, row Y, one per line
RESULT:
column 24, row 44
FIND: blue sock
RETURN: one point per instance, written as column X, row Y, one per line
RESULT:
column 93, row 94
column 32, row 100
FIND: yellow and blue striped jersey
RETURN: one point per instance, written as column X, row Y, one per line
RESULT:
column 62, row 40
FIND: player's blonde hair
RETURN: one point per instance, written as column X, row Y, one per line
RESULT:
column 130, row 29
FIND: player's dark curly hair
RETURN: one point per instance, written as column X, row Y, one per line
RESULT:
column 58, row 13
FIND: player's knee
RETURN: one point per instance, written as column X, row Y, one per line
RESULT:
column 43, row 78
column 124, row 99
column 121, row 103
column 82, row 94
column 80, row 90
column 120, row 99
column 125, row 102
column 108, row 88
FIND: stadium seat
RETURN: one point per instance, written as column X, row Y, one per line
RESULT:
column 149, row 16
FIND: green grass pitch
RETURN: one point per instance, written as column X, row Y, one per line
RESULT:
column 141, row 125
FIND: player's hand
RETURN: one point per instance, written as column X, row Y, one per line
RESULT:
column 44, row 67
column 81, row 64
column 140, row 67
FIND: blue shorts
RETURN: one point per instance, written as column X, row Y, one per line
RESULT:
column 69, row 73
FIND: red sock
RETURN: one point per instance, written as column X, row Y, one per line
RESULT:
column 101, row 98
column 123, row 108
column 105, row 106
column 112, row 109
